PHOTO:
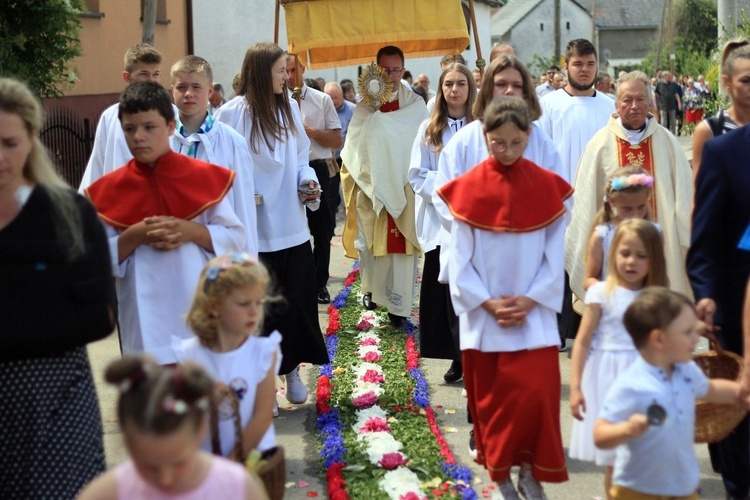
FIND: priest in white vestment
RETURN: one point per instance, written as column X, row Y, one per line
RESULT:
column 633, row 137
column 380, row 227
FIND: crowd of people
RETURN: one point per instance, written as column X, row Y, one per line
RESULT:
column 548, row 215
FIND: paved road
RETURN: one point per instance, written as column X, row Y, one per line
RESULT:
column 295, row 426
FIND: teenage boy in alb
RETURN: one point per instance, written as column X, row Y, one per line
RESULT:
column 142, row 64
column 198, row 135
column 165, row 215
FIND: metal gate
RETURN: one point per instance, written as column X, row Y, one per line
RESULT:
column 69, row 139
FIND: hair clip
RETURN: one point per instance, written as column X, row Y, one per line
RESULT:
column 225, row 262
column 202, row 404
column 174, row 406
column 627, row 181
column 134, row 379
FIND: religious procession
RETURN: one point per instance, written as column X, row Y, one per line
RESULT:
column 523, row 283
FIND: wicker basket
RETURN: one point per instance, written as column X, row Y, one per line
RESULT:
column 273, row 471
column 714, row 422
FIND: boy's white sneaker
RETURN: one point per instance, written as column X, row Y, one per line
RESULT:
column 530, row 487
column 505, row 491
column 296, row 392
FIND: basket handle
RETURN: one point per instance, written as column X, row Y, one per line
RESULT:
column 711, row 336
column 220, row 393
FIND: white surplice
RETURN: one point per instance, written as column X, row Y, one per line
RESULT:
column 571, row 121
column 110, row 149
column 422, row 175
column 278, row 172
column 155, row 288
column 486, row 264
column 224, row 147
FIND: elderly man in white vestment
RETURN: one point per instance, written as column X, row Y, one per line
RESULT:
column 633, row 137
column 380, row 226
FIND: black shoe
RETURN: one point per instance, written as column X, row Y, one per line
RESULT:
column 397, row 321
column 454, row 373
column 472, row 446
column 368, row 303
column 323, row 296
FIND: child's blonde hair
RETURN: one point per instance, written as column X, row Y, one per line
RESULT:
column 631, row 179
column 654, row 245
column 218, row 278
column 192, row 64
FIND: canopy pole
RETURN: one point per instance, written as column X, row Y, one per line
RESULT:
column 481, row 63
column 276, row 25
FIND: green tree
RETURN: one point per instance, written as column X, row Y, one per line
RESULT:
column 696, row 25
column 39, row 39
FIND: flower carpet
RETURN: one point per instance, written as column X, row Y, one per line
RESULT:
column 379, row 437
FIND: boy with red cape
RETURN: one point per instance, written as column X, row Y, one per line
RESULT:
column 165, row 215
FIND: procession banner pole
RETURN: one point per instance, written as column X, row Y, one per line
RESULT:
column 481, row 63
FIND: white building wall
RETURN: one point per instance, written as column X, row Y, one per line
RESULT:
column 534, row 35
column 242, row 26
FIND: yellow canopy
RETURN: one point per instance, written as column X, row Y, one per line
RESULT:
column 330, row 33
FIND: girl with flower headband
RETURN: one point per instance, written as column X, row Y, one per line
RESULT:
column 627, row 195
column 603, row 348
column 162, row 414
column 226, row 317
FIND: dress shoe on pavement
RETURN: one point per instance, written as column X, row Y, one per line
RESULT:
column 296, row 392
column 397, row 321
column 454, row 373
column 368, row 303
column 323, row 296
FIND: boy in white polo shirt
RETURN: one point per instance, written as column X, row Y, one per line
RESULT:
column 649, row 412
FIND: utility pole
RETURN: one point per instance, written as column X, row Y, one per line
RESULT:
column 149, row 21
column 661, row 36
column 671, row 38
column 557, row 30
column 725, row 17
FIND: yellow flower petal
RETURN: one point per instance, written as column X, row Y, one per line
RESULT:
column 450, row 429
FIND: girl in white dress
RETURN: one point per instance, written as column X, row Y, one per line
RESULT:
column 627, row 195
column 636, row 260
column 226, row 316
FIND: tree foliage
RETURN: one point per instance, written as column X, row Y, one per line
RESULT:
column 694, row 39
column 39, row 39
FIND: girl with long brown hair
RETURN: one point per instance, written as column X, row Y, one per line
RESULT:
column 286, row 186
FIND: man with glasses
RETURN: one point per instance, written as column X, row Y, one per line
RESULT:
column 548, row 86
column 380, row 224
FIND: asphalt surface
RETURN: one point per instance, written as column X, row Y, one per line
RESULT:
column 295, row 425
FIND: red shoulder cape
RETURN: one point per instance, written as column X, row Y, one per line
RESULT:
column 519, row 198
column 177, row 185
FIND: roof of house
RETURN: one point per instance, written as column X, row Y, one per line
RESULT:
column 626, row 14
column 514, row 12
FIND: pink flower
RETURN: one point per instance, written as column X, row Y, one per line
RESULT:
column 366, row 400
column 371, row 356
column 373, row 377
column 410, row 496
column 368, row 341
column 392, row 460
column 364, row 325
column 376, row 424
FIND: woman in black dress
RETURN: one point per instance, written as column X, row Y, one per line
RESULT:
column 56, row 294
